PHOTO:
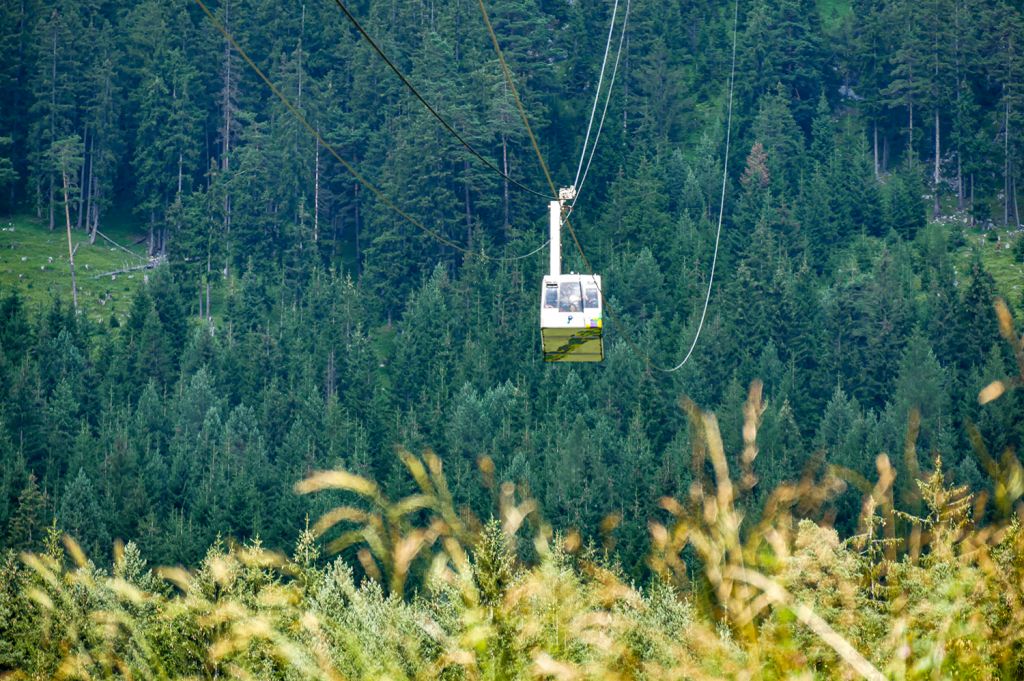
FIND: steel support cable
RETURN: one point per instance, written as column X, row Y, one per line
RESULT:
column 330, row 148
column 440, row 119
column 597, row 93
column 572, row 232
column 515, row 96
column 604, row 112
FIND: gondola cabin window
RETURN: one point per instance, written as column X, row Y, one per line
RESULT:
column 570, row 297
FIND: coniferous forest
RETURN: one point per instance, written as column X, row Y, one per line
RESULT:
column 323, row 396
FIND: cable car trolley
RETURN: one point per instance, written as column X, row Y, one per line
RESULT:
column 571, row 323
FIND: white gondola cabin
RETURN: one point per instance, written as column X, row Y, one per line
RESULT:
column 571, row 325
column 571, row 320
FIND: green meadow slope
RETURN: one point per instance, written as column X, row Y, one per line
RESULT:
column 34, row 261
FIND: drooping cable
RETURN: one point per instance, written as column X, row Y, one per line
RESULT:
column 515, row 96
column 334, row 152
column 597, row 93
column 604, row 112
column 440, row 119
column 721, row 203
column 524, row 256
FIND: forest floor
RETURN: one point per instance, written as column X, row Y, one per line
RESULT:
column 35, row 261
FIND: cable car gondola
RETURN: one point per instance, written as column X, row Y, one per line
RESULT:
column 571, row 322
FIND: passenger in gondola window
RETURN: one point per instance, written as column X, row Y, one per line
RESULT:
column 591, row 300
column 569, row 297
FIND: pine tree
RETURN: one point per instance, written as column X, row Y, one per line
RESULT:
column 28, row 519
column 975, row 332
column 1004, row 26
column 908, row 88
column 81, row 517
column 165, row 161
column 8, row 174
column 65, row 157
column 102, row 138
column 903, row 207
column 856, row 192
column 823, row 133
column 819, row 222
column 776, row 129
column 62, row 424
column 783, row 47
column 921, row 385
column 53, row 104
column 872, row 42
column 940, row 77
column 15, row 329
column 494, row 564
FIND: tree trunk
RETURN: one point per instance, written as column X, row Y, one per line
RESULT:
column 206, row 281
column 959, row 182
column 875, row 134
column 81, row 179
column 625, row 87
column 910, row 136
column 302, row 31
column 90, row 182
column 71, row 251
column 316, row 189
column 226, row 99
column 95, row 191
column 92, row 213
column 359, row 261
column 1006, row 164
column 51, row 202
column 972, row 199
column 937, row 207
column 469, row 212
column 505, row 207
column 1016, row 210
column 331, row 377
column 53, row 112
column 228, row 111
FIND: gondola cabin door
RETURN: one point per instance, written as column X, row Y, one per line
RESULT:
column 571, row 320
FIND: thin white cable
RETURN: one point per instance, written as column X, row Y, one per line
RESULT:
column 604, row 113
column 721, row 205
column 597, row 92
column 527, row 255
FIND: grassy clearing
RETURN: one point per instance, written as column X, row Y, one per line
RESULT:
column 998, row 260
column 34, row 261
column 834, row 12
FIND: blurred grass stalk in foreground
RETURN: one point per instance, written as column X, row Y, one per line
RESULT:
column 446, row 596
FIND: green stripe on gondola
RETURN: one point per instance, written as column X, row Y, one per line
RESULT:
column 572, row 345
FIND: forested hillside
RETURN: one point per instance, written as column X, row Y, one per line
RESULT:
column 293, row 321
